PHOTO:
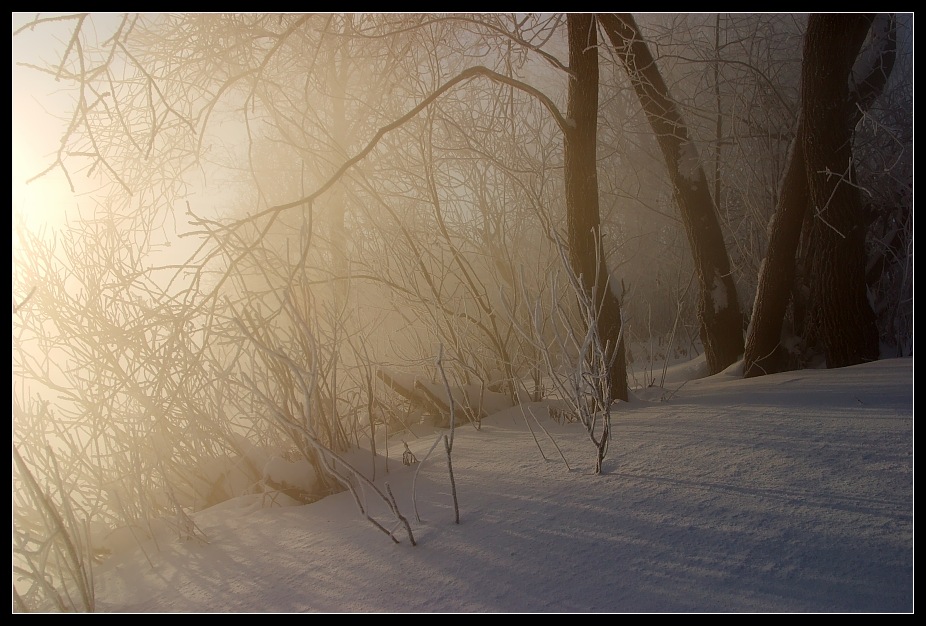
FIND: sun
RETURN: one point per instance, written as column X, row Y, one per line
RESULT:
column 44, row 202
column 36, row 130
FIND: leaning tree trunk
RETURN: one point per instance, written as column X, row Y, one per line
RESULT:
column 839, row 293
column 719, row 308
column 581, row 178
column 764, row 352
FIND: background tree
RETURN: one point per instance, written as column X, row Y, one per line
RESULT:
column 837, row 272
column 581, row 180
column 764, row 350
column 719, row 310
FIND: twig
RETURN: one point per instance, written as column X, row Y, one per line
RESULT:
column 415, row 479
column 453, row 484
column 395, row 509
column 448, row 441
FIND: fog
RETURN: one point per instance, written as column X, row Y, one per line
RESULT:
column 238, row 232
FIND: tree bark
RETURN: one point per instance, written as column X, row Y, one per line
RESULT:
column 764, row 352
column 838, row 290
column 719, row 308
column 581, row 179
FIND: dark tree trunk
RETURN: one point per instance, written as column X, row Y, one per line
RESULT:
column 719, row 308
column 581, row 177
column 764, row 353
column 837, row 278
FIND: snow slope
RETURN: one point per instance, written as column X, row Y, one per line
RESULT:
column 786, row 493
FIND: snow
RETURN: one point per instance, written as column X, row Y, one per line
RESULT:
column 784, row 493
column 292, row 474
column 471, row 397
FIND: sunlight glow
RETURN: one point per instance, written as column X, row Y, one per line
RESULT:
column 35, row 137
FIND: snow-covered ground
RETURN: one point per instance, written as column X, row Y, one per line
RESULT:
column 787, row 493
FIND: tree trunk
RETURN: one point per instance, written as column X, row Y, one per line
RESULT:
column 848, row 330
column 581, row 178
column 764, row 353
column 719, row 308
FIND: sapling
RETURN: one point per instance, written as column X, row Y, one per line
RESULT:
column 585, row 387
